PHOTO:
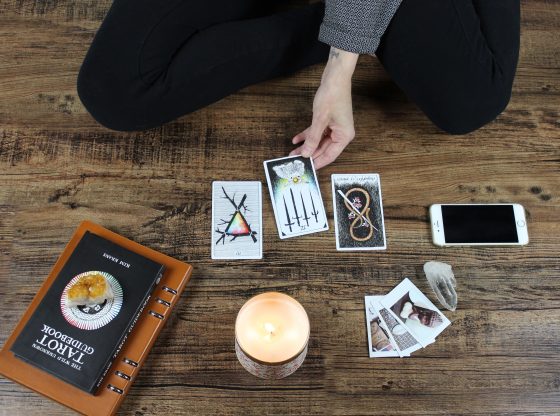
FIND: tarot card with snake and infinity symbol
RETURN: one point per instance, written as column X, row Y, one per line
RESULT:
column 358, row 212
column 296, row 197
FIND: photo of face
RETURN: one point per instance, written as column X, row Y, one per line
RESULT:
column 425, row 316
column 379, row 338
column 406, row 309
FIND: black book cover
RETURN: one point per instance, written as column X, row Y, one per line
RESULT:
column 78, row 343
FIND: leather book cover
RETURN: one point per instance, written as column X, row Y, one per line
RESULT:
column 78, row 342
column 129, row 354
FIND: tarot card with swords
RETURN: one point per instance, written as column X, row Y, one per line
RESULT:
column 296, row 197
column 236, row 220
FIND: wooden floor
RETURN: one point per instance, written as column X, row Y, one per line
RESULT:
column 57, row 167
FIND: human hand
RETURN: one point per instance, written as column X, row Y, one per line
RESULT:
column 332, row 126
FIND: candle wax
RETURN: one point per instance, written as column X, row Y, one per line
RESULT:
column 272, row 327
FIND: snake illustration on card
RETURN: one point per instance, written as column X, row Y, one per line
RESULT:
column 358, row 212
column 296, row 197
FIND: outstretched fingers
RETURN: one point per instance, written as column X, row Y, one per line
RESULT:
column 300, row 137
column 314, row 136
column 327, row 141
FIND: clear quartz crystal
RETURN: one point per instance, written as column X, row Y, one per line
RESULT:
column 442, row 281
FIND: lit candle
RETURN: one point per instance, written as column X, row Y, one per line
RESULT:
column 271, row 334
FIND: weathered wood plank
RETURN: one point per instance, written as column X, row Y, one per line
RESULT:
column 58, row 167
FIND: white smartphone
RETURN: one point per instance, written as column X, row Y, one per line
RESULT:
column 479, row 225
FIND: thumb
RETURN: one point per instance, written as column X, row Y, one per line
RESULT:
column 314, row 136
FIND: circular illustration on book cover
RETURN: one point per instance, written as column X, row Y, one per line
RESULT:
column 91, row 300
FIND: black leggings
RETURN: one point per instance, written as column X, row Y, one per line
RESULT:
column 153, row 61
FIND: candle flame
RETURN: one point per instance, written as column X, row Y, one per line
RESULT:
column 269, row 328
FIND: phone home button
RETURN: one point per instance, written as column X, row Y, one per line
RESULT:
column 521, row 223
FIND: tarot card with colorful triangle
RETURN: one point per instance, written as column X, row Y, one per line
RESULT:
column 236, row 220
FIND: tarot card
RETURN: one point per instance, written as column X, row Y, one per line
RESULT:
column 422, row 318
column 236, row 220
column 401, row 338
column 379, row 342
column 358, row 212
column 296, row 197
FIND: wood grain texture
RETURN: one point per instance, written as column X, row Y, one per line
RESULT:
column 58, row 166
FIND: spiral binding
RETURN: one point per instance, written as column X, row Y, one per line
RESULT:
column 168, row 289
column 122, row 375
column 163, row 302
column 155, row 314
column 133, row 363
column 130, row 362
column 115, row 389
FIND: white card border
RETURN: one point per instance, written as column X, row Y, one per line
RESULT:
column 274, row 205
column 213, row 255
column 376, row 305
column 379, row 354
column 334, row 193
column 408, row 351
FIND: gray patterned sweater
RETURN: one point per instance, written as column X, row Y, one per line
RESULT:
column 356, row 25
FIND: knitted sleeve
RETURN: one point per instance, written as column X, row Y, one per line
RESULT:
column 356, row 25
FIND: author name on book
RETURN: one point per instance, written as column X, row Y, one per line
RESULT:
column 117, row 260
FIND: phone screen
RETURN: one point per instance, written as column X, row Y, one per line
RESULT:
column 479, row 224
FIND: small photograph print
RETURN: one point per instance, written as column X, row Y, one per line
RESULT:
column 236, row 220
column 424, row 342
column 358, row 212
column 400, row 336
column 379, row 342
column 416, row 311
column 296, row 197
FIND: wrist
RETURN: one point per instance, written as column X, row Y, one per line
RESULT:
column 340, row 66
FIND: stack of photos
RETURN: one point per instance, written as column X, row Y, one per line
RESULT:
column 402, row 322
